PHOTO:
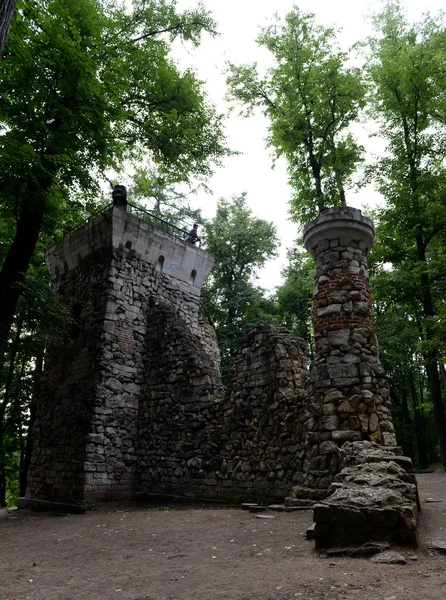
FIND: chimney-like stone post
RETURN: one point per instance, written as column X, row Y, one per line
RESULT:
column 349, row 395
column 119, row 197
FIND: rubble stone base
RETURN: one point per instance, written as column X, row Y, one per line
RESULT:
column 373, row 498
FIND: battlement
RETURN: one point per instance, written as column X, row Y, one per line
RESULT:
column 118, row 230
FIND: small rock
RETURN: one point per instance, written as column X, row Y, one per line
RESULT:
column 309, row 534
column 255, row 509
column 389, row 558
column 438, row 545
column 367, row 549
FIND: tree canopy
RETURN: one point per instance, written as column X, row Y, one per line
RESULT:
column 406, row 73
column 84, row 85
column 310, row 96
column 240, row 244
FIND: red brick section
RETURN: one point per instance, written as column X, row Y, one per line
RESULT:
column 125, row 338
column 342, row 320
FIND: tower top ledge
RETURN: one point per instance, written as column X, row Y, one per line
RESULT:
column 120, row 231
column 339, row 221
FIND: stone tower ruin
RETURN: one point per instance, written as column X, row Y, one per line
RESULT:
column 348, row 397
column 134, row 293
column 133, row 406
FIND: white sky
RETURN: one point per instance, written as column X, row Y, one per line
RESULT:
column 267, row 188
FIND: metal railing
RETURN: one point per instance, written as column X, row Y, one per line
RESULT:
column 160, row 223
column 146, row 216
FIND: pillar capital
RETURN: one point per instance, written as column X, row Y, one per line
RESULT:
column 338, row 222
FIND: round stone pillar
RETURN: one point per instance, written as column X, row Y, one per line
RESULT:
column 349, row 397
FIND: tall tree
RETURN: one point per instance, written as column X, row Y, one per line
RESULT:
column 397, row 325
column 407, row 73
column 310, row 97
column 6, row 11
column 85, row 84
column 241, row 244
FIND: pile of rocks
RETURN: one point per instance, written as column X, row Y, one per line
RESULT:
column 373, row 498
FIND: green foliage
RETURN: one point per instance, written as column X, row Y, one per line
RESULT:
column 155, row 193
column 295, row 296
column 241, row 244
column 399, row 335
column 41, row 318
column 310, row 97
column 406, row 73
column 86, row 84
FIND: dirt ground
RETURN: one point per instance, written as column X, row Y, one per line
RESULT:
column 202, row 553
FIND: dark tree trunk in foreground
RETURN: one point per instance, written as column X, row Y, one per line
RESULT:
column 430, row 357
column 6, row 11
column 19, row 257
column 420, row 428
column 26, row 449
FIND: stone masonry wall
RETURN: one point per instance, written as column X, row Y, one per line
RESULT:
column 67, row 403
column 85, row 435
column 136, row 406
column 194, row 443
column 263, row 413
column 139, row 299
column 133, row 404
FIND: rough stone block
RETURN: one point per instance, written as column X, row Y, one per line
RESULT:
column 338, row 337
column 329, row 310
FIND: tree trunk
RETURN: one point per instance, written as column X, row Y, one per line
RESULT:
column 443, row 375
column 25, row 457
column 6, row 11
column 420, row 429
column 3, row 406
column 316, row 170
column 430, row 357
column 19, row 256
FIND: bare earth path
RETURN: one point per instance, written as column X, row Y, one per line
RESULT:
column 206, row 554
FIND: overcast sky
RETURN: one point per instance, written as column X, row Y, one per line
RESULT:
column 267, row 188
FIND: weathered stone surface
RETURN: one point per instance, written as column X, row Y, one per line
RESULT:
column 346, row 375
column 373, row 495
column 389, row 558
column 329, row 310
column 369, row 500
column 438, row 546
column 360, row 551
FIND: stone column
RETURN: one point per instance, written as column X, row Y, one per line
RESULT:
column 349, row 396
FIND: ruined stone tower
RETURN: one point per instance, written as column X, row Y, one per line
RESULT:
column 134, row 293
column 132, row 405
column 348, row 397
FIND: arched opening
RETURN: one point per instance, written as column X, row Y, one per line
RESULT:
column 160, row 264
column 57, row 273
column 79, row 259
column 193, row 274
column 65, row 266
column 128, row 245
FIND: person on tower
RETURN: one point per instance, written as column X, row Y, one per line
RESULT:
column 192, row 236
